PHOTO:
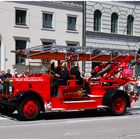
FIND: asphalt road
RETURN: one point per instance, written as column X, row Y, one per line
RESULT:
column 73, row 125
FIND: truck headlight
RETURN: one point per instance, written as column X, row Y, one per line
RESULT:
column 10, row 88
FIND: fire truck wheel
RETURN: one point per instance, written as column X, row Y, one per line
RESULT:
column 118, row 105
column 6, row 110
column 29, row 109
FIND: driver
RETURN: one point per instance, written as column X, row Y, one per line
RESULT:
column 60, row 79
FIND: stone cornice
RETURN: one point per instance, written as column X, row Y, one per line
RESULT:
column 137, row 38
column 69, row 4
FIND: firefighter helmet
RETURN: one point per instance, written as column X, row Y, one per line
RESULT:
column 75, row 64
column 63, row 64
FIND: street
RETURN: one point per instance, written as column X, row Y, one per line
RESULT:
column 73, row 125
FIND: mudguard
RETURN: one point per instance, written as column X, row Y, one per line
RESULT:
column 30, row 93
column 111, row 94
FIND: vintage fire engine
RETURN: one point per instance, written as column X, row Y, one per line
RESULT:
column 31, row 95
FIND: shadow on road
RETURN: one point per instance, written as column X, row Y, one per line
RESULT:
column 73, row 114
column 68, row 115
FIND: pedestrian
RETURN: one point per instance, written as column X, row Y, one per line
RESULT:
column 22, row 75
column 27, row 73
column 8, row 74
column 138, row 86
column 2, row 75
column 130, row 88
column 1, row 86
column 15, row 74
column 85, row 83
column 42, row 71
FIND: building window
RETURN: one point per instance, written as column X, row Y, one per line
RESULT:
column 21, row 17
column 71, row 44
column 130, row 21
column 20, row 44
column 97, row 20
column 47, row 20
column 71, row 23
column 47, row 45
column 114, row 23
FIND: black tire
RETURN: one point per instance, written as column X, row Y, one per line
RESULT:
column 118, row 105
column 29, row 109
column 6, row 110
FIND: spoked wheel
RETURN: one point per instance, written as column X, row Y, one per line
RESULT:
column 118, row 105
column 29, row 109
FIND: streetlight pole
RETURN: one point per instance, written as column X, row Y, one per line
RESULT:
column 84, row 30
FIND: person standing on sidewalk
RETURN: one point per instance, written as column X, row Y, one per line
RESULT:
column 8, row 74
column 138, row 86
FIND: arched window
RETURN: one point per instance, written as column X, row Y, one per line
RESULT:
column 130, row 20
column 114, row 23
column 97, row 20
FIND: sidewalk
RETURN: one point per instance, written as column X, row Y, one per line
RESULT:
column 136, row 105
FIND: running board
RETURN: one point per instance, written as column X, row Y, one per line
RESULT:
column 95, row 96
column 102, row 106
column 82, row 104
column 82, row 101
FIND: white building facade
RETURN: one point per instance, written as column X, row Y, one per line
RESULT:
column 112, row 24
column 26, row 24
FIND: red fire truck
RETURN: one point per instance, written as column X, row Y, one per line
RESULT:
column 31, row 95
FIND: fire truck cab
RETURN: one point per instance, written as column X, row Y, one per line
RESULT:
column 32, row 94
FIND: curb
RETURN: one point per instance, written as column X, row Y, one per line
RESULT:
column 134, row 108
